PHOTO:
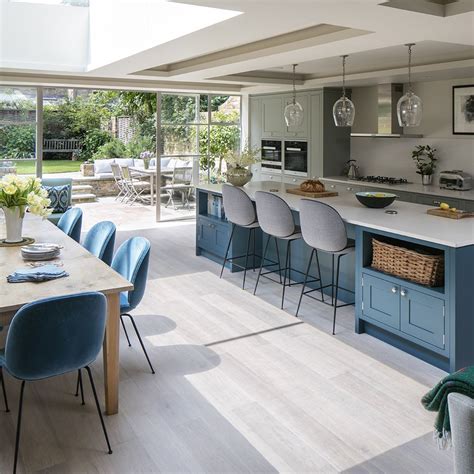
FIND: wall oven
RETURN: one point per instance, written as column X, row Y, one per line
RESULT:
column 271, row 156
column 296, row 158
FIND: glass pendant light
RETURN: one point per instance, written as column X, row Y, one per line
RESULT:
column 343, row 110
column 409, row 106
column 294, row 112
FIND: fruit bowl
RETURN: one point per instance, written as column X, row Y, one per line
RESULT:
column 376, row 200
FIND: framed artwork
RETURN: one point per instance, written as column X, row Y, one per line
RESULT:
column 463, row 110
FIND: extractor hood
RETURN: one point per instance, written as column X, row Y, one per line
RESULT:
column 376, row 112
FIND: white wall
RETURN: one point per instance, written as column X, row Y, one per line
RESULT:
column 392, row 157
column 38, row 36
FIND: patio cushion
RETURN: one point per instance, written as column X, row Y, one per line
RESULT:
column 59, row 196
column 124, row 161
column 103, row 166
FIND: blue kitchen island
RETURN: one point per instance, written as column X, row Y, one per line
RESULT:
column 435, row 324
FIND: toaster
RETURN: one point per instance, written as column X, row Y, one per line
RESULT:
column 456, row 180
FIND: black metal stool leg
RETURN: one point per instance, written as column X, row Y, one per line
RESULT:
column 332, row 281
column 304, row 283
column 335, row 301
column 320, row 276
column 261, row 265
column 98, row 408
column 125, row 330
column 278, row 257
column 247, row 258
column 254, row 248
column 227, row 250
column 4, row 390
column 141, row 342
column 287, row 263
column 18, row 427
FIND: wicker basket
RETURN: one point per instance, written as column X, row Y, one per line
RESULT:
column 414, row 264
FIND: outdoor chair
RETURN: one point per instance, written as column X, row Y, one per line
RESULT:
column 135, row 187
column 120, row 182
column 181, row 182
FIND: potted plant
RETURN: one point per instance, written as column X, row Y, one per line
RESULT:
column 425, row 160
column 146, row 156
column 16, row 194
column 238, row 163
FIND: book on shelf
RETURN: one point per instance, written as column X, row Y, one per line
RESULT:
column 215, row 206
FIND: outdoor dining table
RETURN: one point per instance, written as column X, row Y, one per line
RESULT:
column 151, row 173
column 86, row 273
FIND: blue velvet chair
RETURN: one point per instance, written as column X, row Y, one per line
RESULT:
column 131, row 261
column 100, row 241
column 55, row 216
column 71, row 223
column 52, row 337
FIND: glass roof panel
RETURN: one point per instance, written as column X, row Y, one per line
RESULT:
column 74, row 3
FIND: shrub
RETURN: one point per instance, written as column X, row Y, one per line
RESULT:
column 138, row 144
column 115, row 148
column 93, row 140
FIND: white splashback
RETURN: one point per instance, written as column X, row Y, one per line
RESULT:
column 392, row 156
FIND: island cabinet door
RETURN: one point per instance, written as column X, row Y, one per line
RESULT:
column 423, row 317
column 381, row 301
column 212, row 236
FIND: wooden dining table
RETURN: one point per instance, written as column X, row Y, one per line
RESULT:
column 86, row 273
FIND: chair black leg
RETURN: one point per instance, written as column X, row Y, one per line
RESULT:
column 141, row 342
column 79, row 386
column 4, row 390
column 247, row 258
column 278, row 257
column 305, row 280
column 335, row 301
column 227, row 250
column 287, row 263
column 261, row 265
column 18, row 427
column 125, row 331
column 320, row 277
column 98, row 408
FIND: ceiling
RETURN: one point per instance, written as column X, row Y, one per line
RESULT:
column 253, row 47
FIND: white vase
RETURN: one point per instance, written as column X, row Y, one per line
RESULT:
column 14, row 223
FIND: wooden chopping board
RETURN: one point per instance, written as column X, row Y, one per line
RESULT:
column 312, row 195
column 449, row 214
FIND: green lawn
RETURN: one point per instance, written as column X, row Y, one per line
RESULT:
column 49, row 166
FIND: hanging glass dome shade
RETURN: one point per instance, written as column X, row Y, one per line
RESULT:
column 343, row 110
column 294, row 113
column 409, row 106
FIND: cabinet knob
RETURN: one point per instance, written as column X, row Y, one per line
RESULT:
column 294, row 180
column 403, row 292
column 394, row 289
column 333, row 186
column 349, row 188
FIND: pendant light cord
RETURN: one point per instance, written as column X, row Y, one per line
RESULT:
column 344, row 76
column 410, row 45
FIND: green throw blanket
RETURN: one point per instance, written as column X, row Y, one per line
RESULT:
column 436, row 399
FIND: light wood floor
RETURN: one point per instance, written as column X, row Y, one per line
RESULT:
column 292, row 398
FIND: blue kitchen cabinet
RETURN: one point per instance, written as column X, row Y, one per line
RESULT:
column 381, row 301
column 212, row 235
column 423, row 316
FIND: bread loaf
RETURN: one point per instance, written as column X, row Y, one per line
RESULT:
column 312, row 186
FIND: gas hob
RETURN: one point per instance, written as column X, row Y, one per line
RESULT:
column 381, row 180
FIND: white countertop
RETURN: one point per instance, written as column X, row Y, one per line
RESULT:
column 411, row 220
column 433, row 190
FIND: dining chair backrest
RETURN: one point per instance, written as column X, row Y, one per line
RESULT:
column 71, row 223
column 322, row 226
column 238, row 206
column 54, row 336
column 274, row 215
column 100, row 241
column 182, row 175
column 131, row 261
column 126, row 173
column 116, row 171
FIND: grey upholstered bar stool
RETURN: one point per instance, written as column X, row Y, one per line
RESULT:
column 276, row 220
column 323, row 229
column 240, row 211
column 461, row 416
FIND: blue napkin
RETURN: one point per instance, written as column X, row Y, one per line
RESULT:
column 38, row 274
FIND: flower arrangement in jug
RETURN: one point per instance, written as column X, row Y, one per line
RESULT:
column 238, row 162
column 146, row 156
column 24, row 192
